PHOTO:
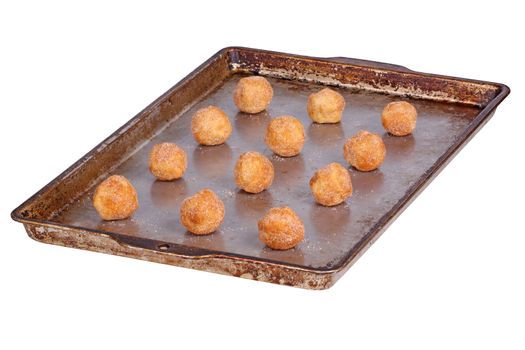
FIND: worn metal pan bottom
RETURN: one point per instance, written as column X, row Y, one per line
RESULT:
column 450, row 111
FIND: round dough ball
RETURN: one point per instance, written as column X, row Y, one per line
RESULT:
column 253, row 172
column 399, row 118
column 331, row 185
column 281, row 228
column 365, row 151
column 167, row 161
column 326, row 106
column 115, row 198
column 202, row 213
column 211, row 126
column 285, row 136
column 253, row 94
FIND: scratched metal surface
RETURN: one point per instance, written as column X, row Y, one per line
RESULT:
column 331, row 233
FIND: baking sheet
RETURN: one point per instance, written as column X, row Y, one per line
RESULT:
column 331, row 232
column 451, row 111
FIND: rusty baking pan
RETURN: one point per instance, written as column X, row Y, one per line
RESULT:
column 450, row 112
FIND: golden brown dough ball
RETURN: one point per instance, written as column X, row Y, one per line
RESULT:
column 253, row 172
column 399, row 118
column 326, row 106
column 331, row 185
column 202, row 213
column 115, row 198
column 253, row 94
column 167, row 161
column 211, row 126
column 285, row 136
column 365, row 151
column 281, row 228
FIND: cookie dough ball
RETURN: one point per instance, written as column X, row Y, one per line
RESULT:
column 210, row 126
column 115, row 198
column 281, row 229
column 167, row 161
column 326, row 106
column 202, row 213
column 253, row 172
column 252, row 94
column 365, row 151
column 331, row 185
column 399, row 118
column 285, row 136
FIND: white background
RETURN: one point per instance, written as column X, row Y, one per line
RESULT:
column 449, row 273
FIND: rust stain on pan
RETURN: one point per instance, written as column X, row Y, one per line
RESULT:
column 450, row 110
column 245, row 268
